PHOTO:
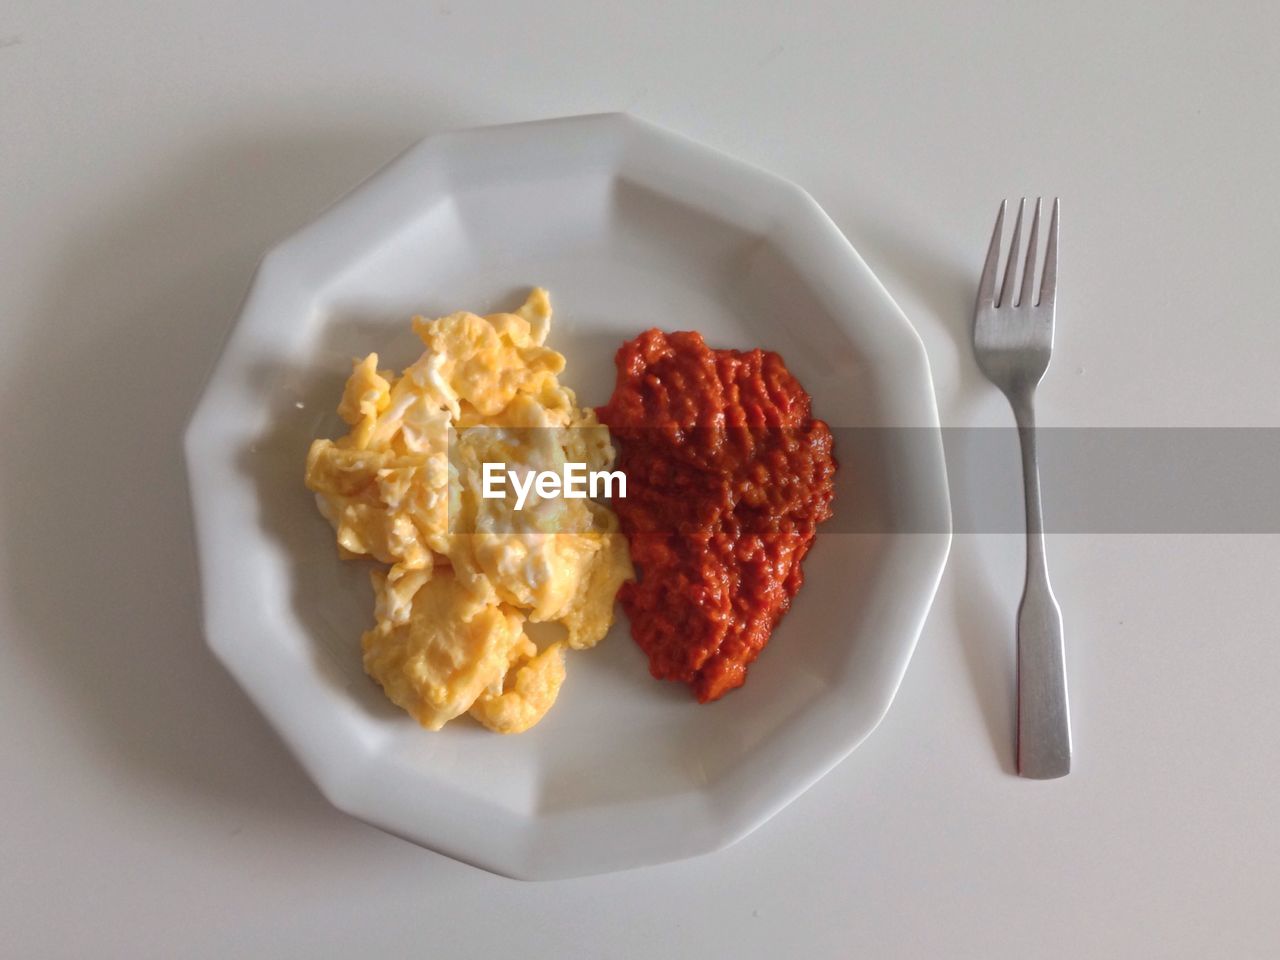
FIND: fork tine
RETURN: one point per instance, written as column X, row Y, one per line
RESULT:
column 987, row 285
column 1029, row 267
column 1011, row 265
column 1049, row 280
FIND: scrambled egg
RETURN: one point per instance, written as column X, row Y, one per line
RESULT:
column 465, row 573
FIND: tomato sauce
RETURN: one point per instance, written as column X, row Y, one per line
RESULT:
column 728, row 477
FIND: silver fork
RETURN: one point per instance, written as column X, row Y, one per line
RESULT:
column 1012, row 343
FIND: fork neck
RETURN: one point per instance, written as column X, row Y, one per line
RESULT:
column 1022, row 399
column 1025, row 416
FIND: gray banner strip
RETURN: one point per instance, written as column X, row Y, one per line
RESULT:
column 1094, row 480
column 1120, row 479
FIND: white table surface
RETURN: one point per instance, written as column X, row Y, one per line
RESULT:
column 149, row 153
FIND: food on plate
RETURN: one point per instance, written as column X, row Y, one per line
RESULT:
column 461, row 573
column 728, row 478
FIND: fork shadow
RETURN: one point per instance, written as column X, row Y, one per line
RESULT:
column 944, row 286
column 102, row 576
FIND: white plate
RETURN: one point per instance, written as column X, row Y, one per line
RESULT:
column 629, row 226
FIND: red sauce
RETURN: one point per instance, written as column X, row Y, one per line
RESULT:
column 728, row 477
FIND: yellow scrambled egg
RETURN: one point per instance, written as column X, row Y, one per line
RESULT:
column 464, row 573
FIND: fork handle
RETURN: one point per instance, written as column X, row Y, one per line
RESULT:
column 1044, row 723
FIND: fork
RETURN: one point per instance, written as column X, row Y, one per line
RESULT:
column 1012, row 343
